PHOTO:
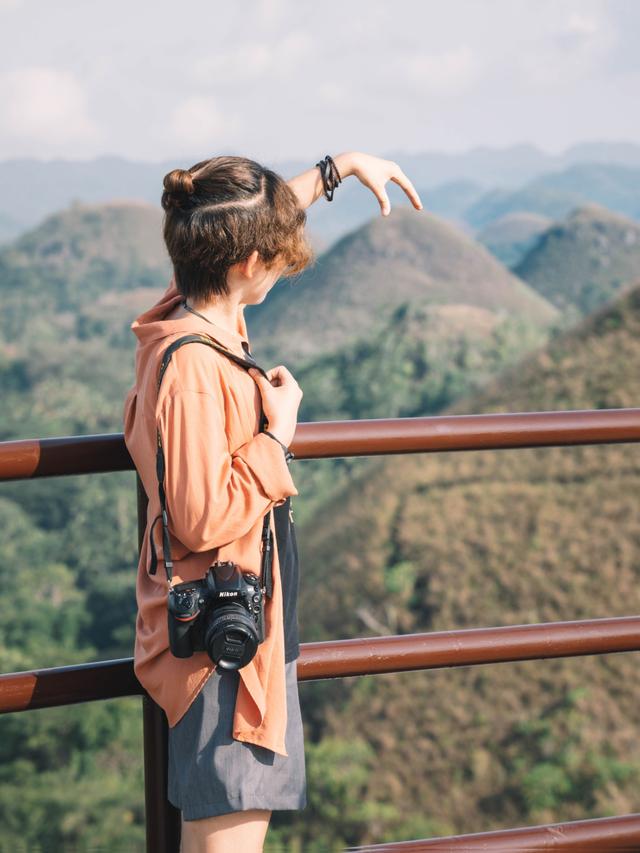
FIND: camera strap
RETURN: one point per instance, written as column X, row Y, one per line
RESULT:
column 249, row 361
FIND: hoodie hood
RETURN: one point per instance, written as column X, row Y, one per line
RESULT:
column 151, row 325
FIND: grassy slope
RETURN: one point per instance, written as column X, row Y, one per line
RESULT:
column 407, row 257
column 441, row 541
column 585, row 260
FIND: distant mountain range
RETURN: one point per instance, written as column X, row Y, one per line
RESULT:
column 557, row 193
column 511, row 236
column 470, row 188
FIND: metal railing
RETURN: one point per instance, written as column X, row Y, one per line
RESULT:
column 66, row 685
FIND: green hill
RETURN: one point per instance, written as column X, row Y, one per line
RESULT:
column 69, row 248
column 585, row 261
column 70, row 290
column 413, row 363
column 439, row 541
column 404, row 543
column 407, row 257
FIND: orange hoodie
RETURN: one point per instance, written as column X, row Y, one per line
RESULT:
column 222, row 476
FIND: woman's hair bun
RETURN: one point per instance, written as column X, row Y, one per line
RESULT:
column 178, row 186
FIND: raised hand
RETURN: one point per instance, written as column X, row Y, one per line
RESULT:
column 374, row 172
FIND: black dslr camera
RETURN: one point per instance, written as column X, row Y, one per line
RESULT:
column 222, row 614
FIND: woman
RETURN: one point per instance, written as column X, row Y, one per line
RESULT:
column 232, row 229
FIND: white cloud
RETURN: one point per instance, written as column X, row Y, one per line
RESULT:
column 277, row 75
column 199, row 122
column 253, row 60
column 39, row 103
column 569, row 48
column 333, row 94
column 270, row 12
column 449, row 72
column 582, row 25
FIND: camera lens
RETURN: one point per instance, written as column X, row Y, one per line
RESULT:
column 231, row 637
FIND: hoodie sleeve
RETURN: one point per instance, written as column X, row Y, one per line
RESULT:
column 213, row 496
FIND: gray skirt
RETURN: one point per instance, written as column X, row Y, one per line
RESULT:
column 210, row 773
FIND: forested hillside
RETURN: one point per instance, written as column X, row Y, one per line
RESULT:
column 440, row 541
column 416, row 258
column 584, row 261
column 405, row 543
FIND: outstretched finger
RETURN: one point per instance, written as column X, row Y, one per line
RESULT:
column 402, row 180
column 381, row 194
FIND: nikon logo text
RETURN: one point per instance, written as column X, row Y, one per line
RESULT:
column 227, row 593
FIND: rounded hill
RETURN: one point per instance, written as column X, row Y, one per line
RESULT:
column 408, row 257
column 585, row 260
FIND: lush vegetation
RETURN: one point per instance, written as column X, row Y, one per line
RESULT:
column 584, row 261
column 442, row 541
column 388, row 545
column 410, row 257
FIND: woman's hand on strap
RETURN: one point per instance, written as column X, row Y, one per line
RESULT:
column 281, row 396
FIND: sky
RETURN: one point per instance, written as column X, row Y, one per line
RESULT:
column 277, row 79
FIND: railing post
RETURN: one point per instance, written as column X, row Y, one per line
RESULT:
column 161, row 817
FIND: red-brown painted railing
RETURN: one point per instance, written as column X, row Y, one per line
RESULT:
column 108, row 679
column 610, row 834
column 85, row 682
column 96, row 454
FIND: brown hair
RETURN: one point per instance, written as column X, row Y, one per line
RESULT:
column 218, row 212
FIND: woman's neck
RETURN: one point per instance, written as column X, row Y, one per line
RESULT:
column 223, row 314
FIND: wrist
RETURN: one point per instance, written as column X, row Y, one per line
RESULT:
column 346, row 163
column 279, row 432
column 288, row 454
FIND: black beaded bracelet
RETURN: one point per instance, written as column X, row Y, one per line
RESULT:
column 330, row 176
column 288, row 454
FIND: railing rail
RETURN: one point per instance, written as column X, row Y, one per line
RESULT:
column 31, row 458
column 85, row 682
column 103, row 453
column 620, row 834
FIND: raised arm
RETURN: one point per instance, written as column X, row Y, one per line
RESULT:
column 308, row 185
column 373, row 172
